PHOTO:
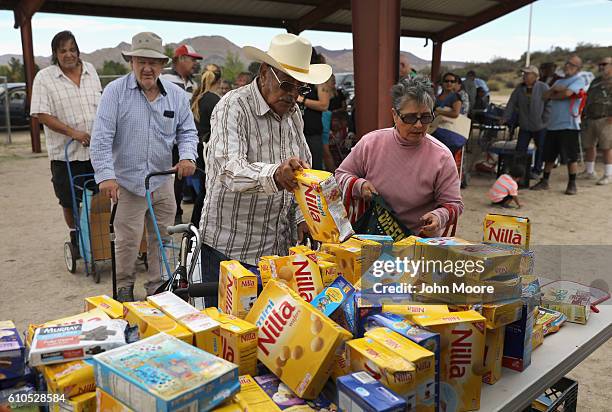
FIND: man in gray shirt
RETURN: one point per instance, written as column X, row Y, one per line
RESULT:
column 532, row 110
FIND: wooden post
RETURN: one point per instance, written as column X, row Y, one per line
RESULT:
column 436, row 58
column 376, row 33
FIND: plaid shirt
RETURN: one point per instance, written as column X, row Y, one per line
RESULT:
column 245, row 216
column 133, row 137
column 53, row 93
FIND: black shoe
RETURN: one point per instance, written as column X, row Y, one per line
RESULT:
column 74, row 239
column 571, row 188
column 126, row 294
column 541, row 185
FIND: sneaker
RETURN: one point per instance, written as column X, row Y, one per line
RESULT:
column 604, row 180
column 126, row 294
column 571, row 188
column 541, row 185
column 587, row 176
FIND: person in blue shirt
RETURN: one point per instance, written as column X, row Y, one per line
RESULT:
column 564, row 124
column 139, row 119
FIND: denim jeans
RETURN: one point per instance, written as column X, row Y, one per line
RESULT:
column 538, row 136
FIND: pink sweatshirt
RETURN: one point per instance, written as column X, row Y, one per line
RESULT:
column 413, row 179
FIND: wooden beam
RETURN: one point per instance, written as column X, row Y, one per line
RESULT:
column 490, row 14
column 436, row 61
column 24, row 10
column 427, row 15
column 28, row 64
column 319, row 13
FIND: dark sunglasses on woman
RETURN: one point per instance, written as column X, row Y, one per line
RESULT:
column 412, row 118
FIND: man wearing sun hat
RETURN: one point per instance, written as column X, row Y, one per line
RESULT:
column 256, row 144
column 139, row 118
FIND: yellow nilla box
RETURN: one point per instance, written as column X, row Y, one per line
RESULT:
column 205, row 329
column 237, row 288
column 252, row 397
column 109, row 305
column 107, row 403
column 238, row 340
column 511, row 230
column 265, row 271
column 70, row 378
column 300, row 272
column 295, row 341
column 320, row 201
column 329, row 272
column 423, row 360
column 393, row 371
column 494, row 352
column 354, row 257
column 151, row 321
column 86, row 402
column 462, row 342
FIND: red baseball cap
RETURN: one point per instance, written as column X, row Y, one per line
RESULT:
column 186, row 50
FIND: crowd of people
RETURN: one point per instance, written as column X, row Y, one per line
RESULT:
column 241, row 144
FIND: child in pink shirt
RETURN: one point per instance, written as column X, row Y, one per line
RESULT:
column 505, row 188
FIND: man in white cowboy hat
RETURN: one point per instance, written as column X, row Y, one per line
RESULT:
column 256, row 144
column 139, row 118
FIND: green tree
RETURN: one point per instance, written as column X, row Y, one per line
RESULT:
column 169, row 51
column 254, row 68
column 17, row 72
column 232, row 66
column 113, row 68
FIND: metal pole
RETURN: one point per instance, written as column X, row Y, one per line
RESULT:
column 528, row 59
column 7, row 110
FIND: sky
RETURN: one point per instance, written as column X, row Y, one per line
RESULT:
column 555, row 23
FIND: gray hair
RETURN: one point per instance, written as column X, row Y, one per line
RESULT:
column 417, row 89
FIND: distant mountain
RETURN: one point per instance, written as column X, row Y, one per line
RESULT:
column 215, row 48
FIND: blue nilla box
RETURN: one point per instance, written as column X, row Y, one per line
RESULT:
column 361, row 392
column 12, row 352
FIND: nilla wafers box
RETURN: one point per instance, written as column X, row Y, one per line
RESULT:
column 320, row 201
column 295, row 341
column 506, row 229
column 237, row 288
column 462, row 343
column 301, row 272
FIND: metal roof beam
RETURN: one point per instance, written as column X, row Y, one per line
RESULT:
column 502, row 8
column 311, row 18
column 420, row 14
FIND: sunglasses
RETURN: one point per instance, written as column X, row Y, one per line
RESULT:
column 450, row 81
column 412, row 118
column 603, row 64
column 571, row 64
column 291, row 87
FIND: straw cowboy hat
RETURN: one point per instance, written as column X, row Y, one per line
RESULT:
column 291, row 55
column 146, row 44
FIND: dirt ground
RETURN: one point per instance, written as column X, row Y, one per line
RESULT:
column 36, row 286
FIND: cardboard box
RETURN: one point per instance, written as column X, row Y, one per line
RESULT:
column 406, row 328
column 57, row 344
column 565, row 297
column 320, row 201
column 238, row 341
column 205, row 330
column 462, row 337
column 354, row 257
column 162, row 373
column 300, row 272
column 107, row 403
column 150, row 321
column 361, row 392
column 329, row 272
column 550, row 320
column 237, row 288
column 252, row 398
column 538, row 336
column 70, row 378
column 109, row 305
column 85, row 402
column 423, row 360
column 332, row 297
column 494, row 352
column 396, row 373
column 286, row 400
column 296, row 341
column 502, row 314
column 265, row 270
column 12, row 351
column 511, row 230
column 517, row 340
column 91, row 315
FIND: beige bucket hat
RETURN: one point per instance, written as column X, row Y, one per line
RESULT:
column 291, row 55
column 146, row 44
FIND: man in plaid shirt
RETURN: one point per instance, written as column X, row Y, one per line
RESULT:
column 65, row 97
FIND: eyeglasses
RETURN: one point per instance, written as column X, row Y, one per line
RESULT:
column 568, row 63
column 412, row 118
column 291, row 87
column 450, row 81
column 603, row 64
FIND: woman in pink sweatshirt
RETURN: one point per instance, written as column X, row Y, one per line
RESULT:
column 412, row 171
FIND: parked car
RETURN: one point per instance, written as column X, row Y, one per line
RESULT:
column 17, row 104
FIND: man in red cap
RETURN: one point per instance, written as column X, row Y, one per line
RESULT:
column 183, row 66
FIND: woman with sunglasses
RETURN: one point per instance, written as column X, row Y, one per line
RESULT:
column 448, row 103
column 412, row 171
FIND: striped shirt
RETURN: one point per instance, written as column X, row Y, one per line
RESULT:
column 504, row 186
column 245, row 216
column 53, row 93
column 133, row 137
